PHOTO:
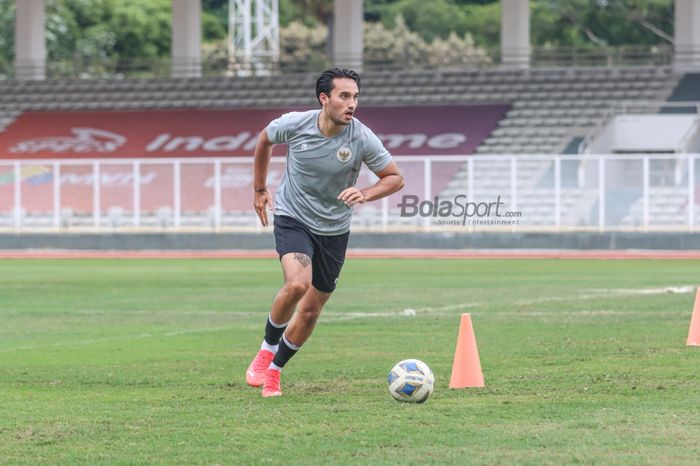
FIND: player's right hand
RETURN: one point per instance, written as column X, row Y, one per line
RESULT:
column 263, row 199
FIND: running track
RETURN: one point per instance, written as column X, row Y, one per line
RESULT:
column 358, row 253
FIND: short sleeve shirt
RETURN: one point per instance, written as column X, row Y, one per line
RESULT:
column 319, row 168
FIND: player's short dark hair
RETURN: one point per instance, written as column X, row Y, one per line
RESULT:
column 324, row 84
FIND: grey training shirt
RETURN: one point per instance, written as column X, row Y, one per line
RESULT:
column 319, row 168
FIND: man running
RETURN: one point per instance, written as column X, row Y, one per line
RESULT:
column 313, row 209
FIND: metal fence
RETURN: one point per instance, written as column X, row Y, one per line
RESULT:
column 83, row 67
column 442, row 193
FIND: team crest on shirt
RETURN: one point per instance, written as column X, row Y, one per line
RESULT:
column 344, row 154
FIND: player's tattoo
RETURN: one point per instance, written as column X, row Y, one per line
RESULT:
column 303, row 259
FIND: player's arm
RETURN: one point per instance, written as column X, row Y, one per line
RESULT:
column 390, row 181
column 261, row 164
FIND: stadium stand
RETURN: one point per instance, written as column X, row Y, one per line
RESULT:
column 667, row 208
column 687, row 90
column 549, row 106
column 552, row 106
column 551, row 109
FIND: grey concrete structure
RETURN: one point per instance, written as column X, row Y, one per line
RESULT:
column 187, row 38
column 30, row 40
column 687, row 35
column 347, row 34
column 515, row 33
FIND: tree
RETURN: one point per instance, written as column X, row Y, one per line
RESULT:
column 117, row 29
column 322, row 11
column 301, row 44
column 437, row 18
column 7, row 36
column 398, row 46
column 602, row 23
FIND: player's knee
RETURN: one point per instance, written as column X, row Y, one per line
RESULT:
column 298, row 287
column 309, row 313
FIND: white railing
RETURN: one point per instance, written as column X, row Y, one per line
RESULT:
column 82, row 67
column 472, row 193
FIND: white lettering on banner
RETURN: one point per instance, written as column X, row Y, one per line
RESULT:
column 416, row 141
column 158, row 142
column 393, row 141
column 167, row 143
column 226, row 142
column 191, row 143
column 447, row 141
column 112, row 179
column 85, row 140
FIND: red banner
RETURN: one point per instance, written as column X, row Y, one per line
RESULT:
column 416, row 130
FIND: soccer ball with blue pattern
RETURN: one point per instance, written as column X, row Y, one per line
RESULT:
column 411, row 380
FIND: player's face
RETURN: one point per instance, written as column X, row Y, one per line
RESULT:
column 342, row 103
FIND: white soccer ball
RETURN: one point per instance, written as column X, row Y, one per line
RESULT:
column 411, row 380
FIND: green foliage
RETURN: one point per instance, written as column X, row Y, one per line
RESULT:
column 484, row 23
column 601, row 22
column 300, row 44
column 401, row 45
column 212, row 28
column 113, row 29
column 293, row 11
column 89, row 29
column 214, row 11
column 107, row 28
column 437, row 18
column 7, row 35
column 553, row 22
column 305, row 45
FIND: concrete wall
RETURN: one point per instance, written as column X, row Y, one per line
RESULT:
column 644, row 133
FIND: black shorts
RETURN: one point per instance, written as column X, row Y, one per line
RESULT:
column 327, row 253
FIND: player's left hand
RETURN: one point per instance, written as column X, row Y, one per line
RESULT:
column 352, row 196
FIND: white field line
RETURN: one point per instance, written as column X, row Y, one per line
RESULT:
column 593, row 294
column 611, row 293
column 683, row 289
column 107, row 340
column 511, row 314
column 586, row 313
column 404, row 313
column 442, row 310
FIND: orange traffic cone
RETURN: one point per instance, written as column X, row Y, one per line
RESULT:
column 694, row 331
column 466, row 368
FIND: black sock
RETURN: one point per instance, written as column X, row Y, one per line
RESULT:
column 285, row 352
column 273, row 331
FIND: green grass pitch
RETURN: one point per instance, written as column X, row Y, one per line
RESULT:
column 143, row 361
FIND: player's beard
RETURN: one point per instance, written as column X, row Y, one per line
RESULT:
column 341, row 121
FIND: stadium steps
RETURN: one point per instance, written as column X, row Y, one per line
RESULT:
column 535, row 189
column 549, row 109
column 546, row 101
column 688, row 89
column 667, row 207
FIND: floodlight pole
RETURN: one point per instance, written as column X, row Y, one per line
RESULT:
column 254, row 45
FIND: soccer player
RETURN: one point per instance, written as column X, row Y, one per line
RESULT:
column 312, row 211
